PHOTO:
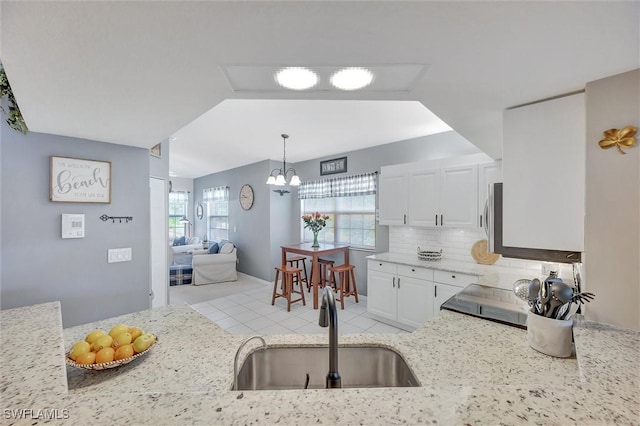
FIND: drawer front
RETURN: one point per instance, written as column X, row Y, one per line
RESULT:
column 376, row 265
column 454, row 278
column 415, row 272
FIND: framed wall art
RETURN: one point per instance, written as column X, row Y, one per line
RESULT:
column 75, row 180
column 337, row 165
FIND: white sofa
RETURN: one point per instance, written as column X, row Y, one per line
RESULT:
column 179, row 255
column 214, row 268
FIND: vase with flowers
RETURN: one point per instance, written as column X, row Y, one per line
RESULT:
column 315, row 222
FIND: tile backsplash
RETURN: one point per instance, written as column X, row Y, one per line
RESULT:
column 456, row 245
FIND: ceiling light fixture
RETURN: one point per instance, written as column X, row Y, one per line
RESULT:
column 296, row 78
column 280, row 179
column 352, row 78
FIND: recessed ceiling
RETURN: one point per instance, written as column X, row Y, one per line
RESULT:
column 135, row 73
column 239, row 132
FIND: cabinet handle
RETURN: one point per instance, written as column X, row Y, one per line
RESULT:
column 480, row 221
column 435, row 292
column 405, row 219
column 398, row 282
column 436, row 220
column 441, row 221
column 394, row 282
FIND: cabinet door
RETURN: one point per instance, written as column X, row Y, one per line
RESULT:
column 459, row 196
column 442, row 292
column 393, row 199
column 381, row 294
column 543, row 161
column 424, row 189
column 415, row 301
column 488, row 174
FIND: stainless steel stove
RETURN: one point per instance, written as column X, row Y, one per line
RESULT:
column 491, row 303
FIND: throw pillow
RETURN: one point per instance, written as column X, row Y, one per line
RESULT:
column 226, row 248
column 214, row 248
column 194, row 240
column 180, row 241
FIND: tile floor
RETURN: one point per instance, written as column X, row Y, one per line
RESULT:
column 251, row 312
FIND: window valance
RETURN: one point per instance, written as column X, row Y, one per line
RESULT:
column 348, row 186
column 219, row 193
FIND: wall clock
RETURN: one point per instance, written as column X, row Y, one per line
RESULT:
column 246, row 196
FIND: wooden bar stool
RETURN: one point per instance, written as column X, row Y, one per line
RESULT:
column 326, row 277
column 347, row 282
column 289, row 276
column 294, row 262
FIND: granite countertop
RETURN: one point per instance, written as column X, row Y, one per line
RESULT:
column 471, row 371
column 489, row 275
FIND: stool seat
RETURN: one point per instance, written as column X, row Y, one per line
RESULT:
column 295, row 258
column 347, row 279
column 290, row 277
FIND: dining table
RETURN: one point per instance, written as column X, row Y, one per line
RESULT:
column 324, row 249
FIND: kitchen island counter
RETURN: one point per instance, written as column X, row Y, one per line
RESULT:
column 471, row 371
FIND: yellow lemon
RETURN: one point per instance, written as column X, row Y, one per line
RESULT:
column 102, row 342
column 135, row 332
column 79, row 348
column 117, row 329
column 91, row 337
column 87, row 358
column 124, row 351
column 122, row 339
column 105, row 355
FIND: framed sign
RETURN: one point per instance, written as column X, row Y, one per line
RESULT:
column 74, row 180
column 337, row 165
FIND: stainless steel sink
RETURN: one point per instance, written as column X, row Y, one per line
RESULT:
column 360, row 367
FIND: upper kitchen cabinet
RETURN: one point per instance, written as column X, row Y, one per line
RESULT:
column 392, row 198
column 544, row 152
column 429, row 194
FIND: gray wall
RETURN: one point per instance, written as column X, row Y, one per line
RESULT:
column 612, row 222
column 275, row 220
column 249, row 230
column 37, row 265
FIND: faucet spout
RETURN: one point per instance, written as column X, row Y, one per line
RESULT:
column 329, row 318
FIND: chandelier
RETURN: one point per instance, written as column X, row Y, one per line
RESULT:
column 278, row 177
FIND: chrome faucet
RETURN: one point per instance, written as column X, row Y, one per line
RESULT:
column 329, row 318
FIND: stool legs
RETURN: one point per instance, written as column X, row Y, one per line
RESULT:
column 347, row 283
column 290, row 276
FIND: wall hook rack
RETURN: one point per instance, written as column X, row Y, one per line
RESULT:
column 126, row 219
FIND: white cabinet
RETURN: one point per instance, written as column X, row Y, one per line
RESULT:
column 392, row 198
column 446, row 284
column 399, row 295
column 429, row 196
column 488, row 174
column 543, row 162
column 424, row 202
column 459, row 196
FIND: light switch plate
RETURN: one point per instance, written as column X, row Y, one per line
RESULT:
column 119, row 255
column 72, row 226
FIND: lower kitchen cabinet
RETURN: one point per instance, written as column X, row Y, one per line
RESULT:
column 408, row 296
column 398, row 294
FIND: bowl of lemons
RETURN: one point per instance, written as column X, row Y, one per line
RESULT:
column 100, row 350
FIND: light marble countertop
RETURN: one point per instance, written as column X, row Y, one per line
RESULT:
column 489, row 275
column 471, row 371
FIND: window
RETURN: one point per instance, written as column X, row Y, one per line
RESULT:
column 178, row 202
column 217, row 201
column 351, row 204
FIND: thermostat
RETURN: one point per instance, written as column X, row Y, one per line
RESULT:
column 72, row 226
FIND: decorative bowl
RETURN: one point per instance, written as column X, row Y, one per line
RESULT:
column 111, row 364
column 431, row 256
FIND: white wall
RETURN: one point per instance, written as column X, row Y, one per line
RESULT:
column 612, row 223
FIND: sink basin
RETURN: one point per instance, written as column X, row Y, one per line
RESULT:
column 359, row 367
